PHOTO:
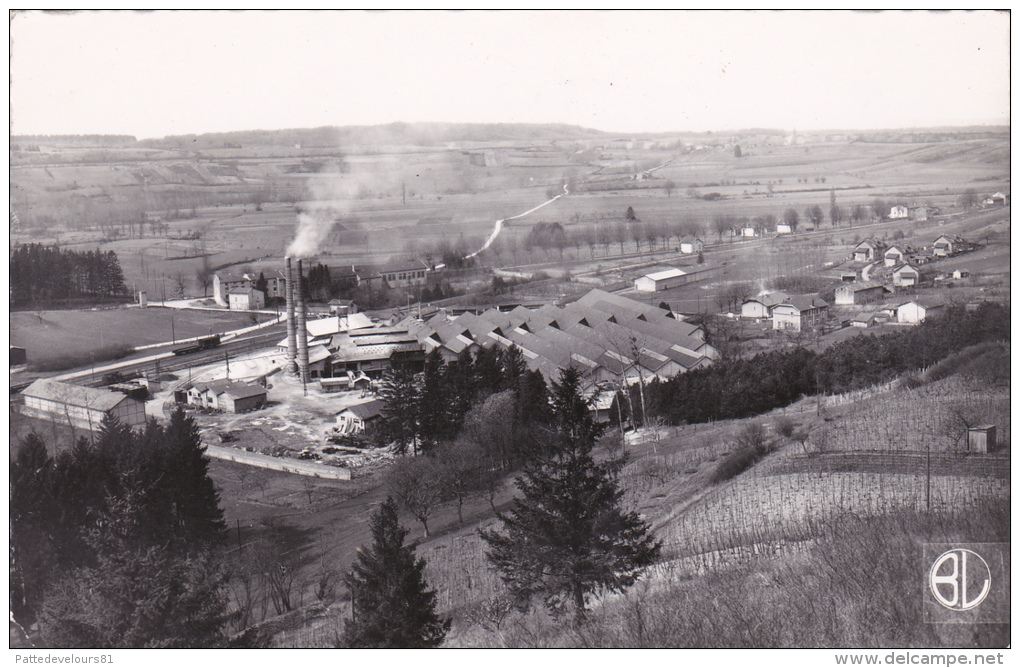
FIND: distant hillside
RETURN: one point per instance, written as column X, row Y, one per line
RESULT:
column 414, row 134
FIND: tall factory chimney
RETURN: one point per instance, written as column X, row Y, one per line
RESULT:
column 292, row 367
column 302, row 329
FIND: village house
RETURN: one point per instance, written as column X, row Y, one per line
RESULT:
column 748, row 232
column 943, row 246
column 961, row 273
column 248, row 299
column 922, row 212
column 798, row 313
column 357, row 419
column 867, row 250
column 917, row 311
column 859, row 293
column 224, row 283
column 80, row 406
column 783, row 228
column 760, row 307
column 894, row 255
column 898, row 212
column 905, row 276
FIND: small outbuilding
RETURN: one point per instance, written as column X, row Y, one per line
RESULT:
column 359, row 418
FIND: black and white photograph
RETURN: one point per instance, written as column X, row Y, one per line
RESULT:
column 507, row 329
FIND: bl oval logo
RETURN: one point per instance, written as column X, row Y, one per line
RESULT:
column 955, row 577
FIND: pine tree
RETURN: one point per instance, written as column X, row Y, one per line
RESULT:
column 136, row 596
column 392, row 606
column 32, row 510
column 399, row 393
column 193, row 496
column 567, row 536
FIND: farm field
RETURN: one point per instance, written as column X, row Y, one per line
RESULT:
column 50, row 335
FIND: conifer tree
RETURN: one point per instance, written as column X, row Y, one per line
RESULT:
column 433, row 402
column 399, row 393
column 567, row 536
column 193, row 498
column 392, row 606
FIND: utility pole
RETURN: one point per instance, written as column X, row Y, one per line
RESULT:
column 173, row 330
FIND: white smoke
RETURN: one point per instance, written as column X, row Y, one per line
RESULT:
column 312, row 231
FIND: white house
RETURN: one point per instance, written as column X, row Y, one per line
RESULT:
column 748, row 232
column 943, row 246
column 905, row 276
column 223, row 283
column 858, row 293
column 761, row 306
column 894, row 256
column 783, row 228
column 866, row 251
column 248, row 299
column 898, row 212
column 914, row 312
column 660, row 280
column 797, row 313
column 961, row 273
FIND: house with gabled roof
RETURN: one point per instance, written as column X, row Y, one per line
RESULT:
column 867, row 250
column 798, row 313
column 761, row 305
column 918, row 310
column 906, row 275
column 361, row 417
column 943, row 246
column 894, row 255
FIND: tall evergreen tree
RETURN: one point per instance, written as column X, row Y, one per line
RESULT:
column 32, row 513
column 399, row 393
column 567, row 537
column 433, row 402
column 391, row 604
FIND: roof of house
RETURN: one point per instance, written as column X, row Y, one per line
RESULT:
column 245, row 391
column 804, row 303
column 249, row 292
column 905, row 265
column 75, row 395
column 367, row 410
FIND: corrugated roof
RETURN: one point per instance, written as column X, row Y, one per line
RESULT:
column 75, row 395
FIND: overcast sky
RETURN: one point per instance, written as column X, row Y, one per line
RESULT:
column 156, row 74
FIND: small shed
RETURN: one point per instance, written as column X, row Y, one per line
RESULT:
column 18, row 356
column 981, row 440
column 356, row 419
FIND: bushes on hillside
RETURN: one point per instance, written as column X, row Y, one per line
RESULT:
column 732, row 389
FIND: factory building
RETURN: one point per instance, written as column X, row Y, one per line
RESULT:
column 82, row 407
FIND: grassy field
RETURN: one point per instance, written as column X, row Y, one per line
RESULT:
column 51, row 335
